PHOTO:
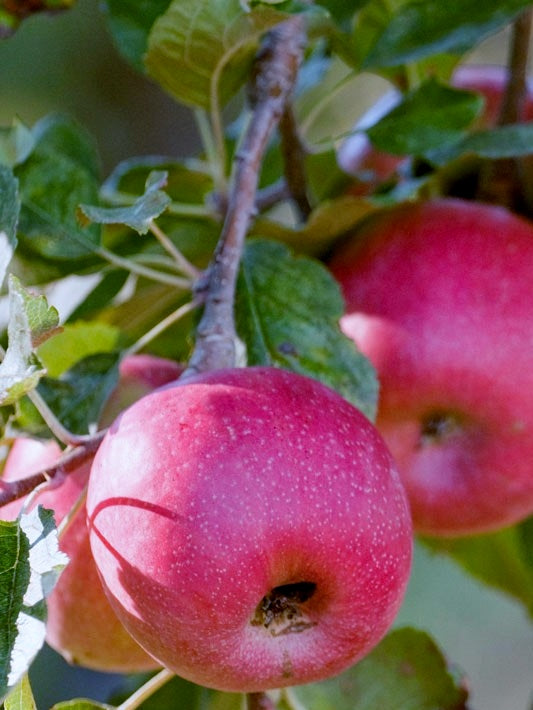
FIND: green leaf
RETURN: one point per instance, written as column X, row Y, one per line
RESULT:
column 60, row 134
column 21, row 697
column 503, row 560
column 77, row 398
column 510, row 141
column 140, row 214
column 75, row 342
column 288, row 310
column 429, row 117
column 217, row 700
column 525, row 536
column 61, row 172
column 9, row 214
column 179, row 693
column 80, row 704
column 43, row 320
column 372, row 20
column 200, row 51
column 16, row 143
column 130, row 22
column 30, row 564
column 341, row 10
column 330, row 220
column 184, row 184
column 325, row 178
column 100, row 296
column 423, row 29
column 406, row 671
column 20, row 370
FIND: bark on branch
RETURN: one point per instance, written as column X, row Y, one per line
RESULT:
column 274, row 75
column 69, row 462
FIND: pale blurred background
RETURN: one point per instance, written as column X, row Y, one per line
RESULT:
column 67, row 63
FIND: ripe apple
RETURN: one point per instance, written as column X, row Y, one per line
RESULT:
column 438, row 296
column 81, row 624
column 372, row 167
column 250, row 528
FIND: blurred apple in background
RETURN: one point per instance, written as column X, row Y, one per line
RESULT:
column 438, row 296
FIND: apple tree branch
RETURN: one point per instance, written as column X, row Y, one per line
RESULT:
column 274, row 75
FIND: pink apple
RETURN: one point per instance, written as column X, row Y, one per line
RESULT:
column 371, row 167
column 81, row 624
column 250, row 529
column 438, row 296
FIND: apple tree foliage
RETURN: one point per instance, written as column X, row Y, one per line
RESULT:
column 145, row 233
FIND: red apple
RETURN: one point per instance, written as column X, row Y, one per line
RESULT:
column 438, row 296
column 371, row 167
column 81, row 623
column 250, row 529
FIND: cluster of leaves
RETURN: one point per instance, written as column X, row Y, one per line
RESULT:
column 58, row 220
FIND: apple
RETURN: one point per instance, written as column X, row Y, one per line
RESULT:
column 250, row 528
column 81, row 624
column 438, row 296
column 372, row 167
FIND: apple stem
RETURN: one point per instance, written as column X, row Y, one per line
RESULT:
column 137, row 268
column 259, row 701
column 505, row 181
column 273, row 78
column 215, row 154
column 145, row 691
column 183, row 264
column 69, row 462
column 67, row 521
column 294, row 153
column 58, row 430
column 160, row 327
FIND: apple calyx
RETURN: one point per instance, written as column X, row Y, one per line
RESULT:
column 437, row 427
column 282, row 610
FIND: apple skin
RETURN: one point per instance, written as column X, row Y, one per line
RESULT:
column 81, row 624
column 372, row 167
column 438, row 296
column 231, row 485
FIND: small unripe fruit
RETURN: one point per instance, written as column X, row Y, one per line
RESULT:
column 438, row 296
column 250, row 529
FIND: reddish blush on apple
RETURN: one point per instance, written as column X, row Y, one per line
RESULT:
column 81, row 624
column 438, row 296
column 250, row 529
